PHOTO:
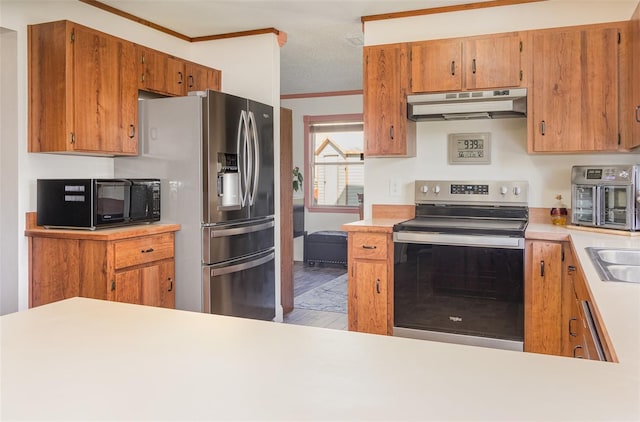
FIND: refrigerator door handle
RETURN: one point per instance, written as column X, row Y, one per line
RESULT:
column 242, row 230
column 256, row 157
column 244, row 266
column 241, row 154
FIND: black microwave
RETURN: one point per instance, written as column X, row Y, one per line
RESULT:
column 97, row 203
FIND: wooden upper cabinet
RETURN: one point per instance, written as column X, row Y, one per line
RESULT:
column 83, row 95
column 160, row 72
column 575, row 90
column 169, row 75
column 387, row 131
column 200, row 78
column 436, row 66
column 632, row 112
column 467, row 64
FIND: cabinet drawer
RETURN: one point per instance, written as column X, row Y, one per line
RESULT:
column 369, row 245
column 142, row 250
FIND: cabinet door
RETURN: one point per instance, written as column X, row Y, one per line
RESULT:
column 160, row 72
column 575, row 94
column 387, row 132
column 436, row 66
column 157, row 285
column 105, row 93
column 368, row 297
column 492, row 62
column 127, row 287
column 635, row 80
column 197, row 77
column 543, row 298
column 53, row 270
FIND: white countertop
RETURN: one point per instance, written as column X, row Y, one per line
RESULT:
column 89, row 359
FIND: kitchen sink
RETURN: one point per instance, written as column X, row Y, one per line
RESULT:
column 616, row 264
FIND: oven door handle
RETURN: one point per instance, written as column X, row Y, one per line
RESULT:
column 459, row 240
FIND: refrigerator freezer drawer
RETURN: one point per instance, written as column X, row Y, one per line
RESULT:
column 230, row 241
column 242, row 288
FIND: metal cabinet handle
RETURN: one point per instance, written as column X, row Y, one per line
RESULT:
column 453, row 68
column 391, row 132
column 543, row 128
column 473, row 66
column 171, row 284
column 571, row 333
column 147, row 250
column 575, row 349
column 378, row 285
column 541, row 268
column 369, row 247
column 638, row 113
column 181, row 78
column 132, row 131
column 191, row 81
column 113, row 285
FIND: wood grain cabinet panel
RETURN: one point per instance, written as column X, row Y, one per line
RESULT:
column 461, row 64
column 387, row 131
column 160, row 72
column 543, row 297
column 632, row 112
column 200, row 78
column 575, row 95
column 370, row 282
column 139, row 269
column 83, row 95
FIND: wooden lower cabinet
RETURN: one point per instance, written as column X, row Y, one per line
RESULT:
column 560, row 315
column 543, row 297
column 134, row 265
column 370, row 285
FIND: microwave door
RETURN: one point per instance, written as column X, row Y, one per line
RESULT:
column 616, row 203
column 585, row 205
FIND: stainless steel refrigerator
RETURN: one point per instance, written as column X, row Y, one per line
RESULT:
column 213, row 153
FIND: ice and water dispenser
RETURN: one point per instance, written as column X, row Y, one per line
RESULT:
column 228, row 181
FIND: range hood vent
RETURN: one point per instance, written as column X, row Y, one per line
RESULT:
column 468, row 105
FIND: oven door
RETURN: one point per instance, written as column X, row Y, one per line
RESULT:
column 585, row 205
column 460, row 289
column 616, row 206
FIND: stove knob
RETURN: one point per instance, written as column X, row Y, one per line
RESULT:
column 503, row 190
column 436, row 190
column 424, row 189
column 517, row 191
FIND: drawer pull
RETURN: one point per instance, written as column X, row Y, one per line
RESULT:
column 575, row 349
column 369, row 247
column 146, row 250
column 170, row 284
column 378, row 285
column 541, row 268
column 113, row 285
column 571, row 332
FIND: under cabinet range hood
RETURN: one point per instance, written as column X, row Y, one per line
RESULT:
column 468, row 105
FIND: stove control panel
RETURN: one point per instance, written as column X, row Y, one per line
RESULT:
column 451, row 191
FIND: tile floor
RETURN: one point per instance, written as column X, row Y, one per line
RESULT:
column 306, row 278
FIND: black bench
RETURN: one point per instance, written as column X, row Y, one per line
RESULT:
column 329, row 246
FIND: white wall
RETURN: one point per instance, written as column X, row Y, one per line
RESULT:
column 548, row 175
column 8, row 172
column 317, row 106
column 16, row 15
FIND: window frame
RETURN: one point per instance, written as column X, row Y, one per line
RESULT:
column 308, row 159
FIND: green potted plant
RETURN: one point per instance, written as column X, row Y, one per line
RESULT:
column 297, row 179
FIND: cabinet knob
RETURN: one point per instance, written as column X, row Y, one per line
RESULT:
column 113, row 285
column 391, row 132
column 191, row 81
column 638, row 113
column 132, row 131
column 575, row 349
column 543, row 127
column 369, row 247
column 453, row 68
column 378, row 285
column 541, row 268
column 180, row 78
column 473, row 66
column 170, row 284
column 147, row 250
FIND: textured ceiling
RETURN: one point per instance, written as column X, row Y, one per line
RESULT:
column 317, row 56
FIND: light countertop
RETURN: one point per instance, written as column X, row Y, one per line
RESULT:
column 90, row 359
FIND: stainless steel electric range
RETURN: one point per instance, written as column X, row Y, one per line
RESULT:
column 459, row 264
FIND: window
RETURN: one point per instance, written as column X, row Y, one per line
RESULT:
column 334, row 162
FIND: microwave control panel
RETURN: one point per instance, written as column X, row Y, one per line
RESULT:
column 595, row 175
